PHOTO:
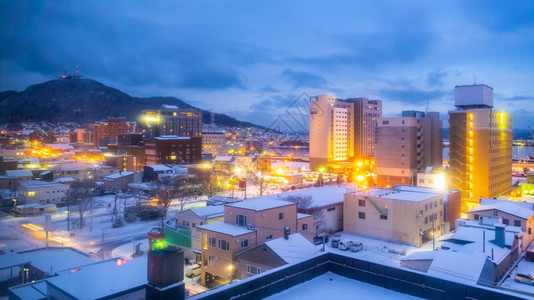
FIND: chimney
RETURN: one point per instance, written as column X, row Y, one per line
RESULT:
column 165, row 274
column 287, row 231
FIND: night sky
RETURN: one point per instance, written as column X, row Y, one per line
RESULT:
column 253, row 59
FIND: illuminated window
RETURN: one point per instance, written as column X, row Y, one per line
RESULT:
column 470, row 176
column 470, row 194
column 470, row 116
column 470, row 142
column 173, row 157
column 470, row 186
column 470, row 124
column 470, row 133
column 31, row 194
column 470, row 159
column 174, row 114
column 470, row 150
column 470, row 168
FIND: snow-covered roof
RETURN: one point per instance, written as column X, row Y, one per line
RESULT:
column 421, row 255
column 223, row 158
column 64, row 179
column 32, row 291
column 60, row 146
column 19, row 173
column 260, row 203
column 513, row 208
column 302, row 216
column 208, row 211
column 36, row 183
column 171, row 137
column 320, row 196
column 457, row 266
column 410, row 196
column 75, row 167
column 411, row 188
column 34, row 205
column 295, row 249
column 47, row 260
column 226, row 228
column 118, row 175
column 106, row 278
column 160, row 168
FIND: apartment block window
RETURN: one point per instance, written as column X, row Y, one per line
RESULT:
column 517, row 223
column 361, row 215
column 253, row 270
column 331, row 209
column 269, row 237
column 421, row 212
column 280, row 216
column 476, row 217
column 383, row 217
column 430, row 205
column 244, row 243
column 241, row 220
column 426, row 207
column 530, row 230
column 361, row 203
column 506, row 221
column 495, row 213
column 304, row 226
column 212, row 242
column 224, row 245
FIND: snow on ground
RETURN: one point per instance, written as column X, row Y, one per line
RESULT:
column 332, row 286
column 126, row 250
column 524, row 267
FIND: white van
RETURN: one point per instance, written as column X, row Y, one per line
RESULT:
column 356, row 246
column 344, row 245
column 193, row 270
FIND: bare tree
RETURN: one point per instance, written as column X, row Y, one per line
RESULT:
column 210, row 185
column 262, row 183
column 81, row 196
column 305, row 205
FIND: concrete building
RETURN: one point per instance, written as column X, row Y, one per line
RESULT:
column 111, row 128
column 480, row 155
column 171, row 149
column 406, row 146
column 171, row 120
column 213, row 140
column 120, row 180
column 79, row 171
column 509, row 213
column 122, row 162
column 408, row 217
column 42, row 192
column 247, row 224
column 366, row 115
column 331, row 131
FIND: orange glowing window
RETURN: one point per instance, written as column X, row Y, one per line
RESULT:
column 469, row 124
column 470, row 194
column 470, row 176
column 470, row 142
column 470, row 168
column 470, row 150
column 470, row 132
column 470, row 116
column 31, row 194
column 470, row 186
column 470, row 159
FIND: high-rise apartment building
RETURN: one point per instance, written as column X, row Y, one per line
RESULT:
column 366, row 114
column 110, row 129
column 480, row 154
column 213, row 139
column 331, row 130
column 171, row 120
column 171, row 149
column 408, row 145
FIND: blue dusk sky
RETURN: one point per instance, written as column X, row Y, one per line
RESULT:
column 254, row 59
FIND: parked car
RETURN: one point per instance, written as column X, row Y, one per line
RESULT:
column 317, row 240
column 344, row 245
column 524, row 278
column 193, row 270
column 356, row 246
column 334, row 243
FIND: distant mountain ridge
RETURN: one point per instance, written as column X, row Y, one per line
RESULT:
column 85, row 100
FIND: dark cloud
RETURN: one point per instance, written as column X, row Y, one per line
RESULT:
column 304, row 79
column 435, row 78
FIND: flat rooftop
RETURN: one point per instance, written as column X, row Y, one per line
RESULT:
column 225, row 228
column 261, row 203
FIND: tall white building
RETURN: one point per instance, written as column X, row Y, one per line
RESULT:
column 213, row 140
column 331, row 130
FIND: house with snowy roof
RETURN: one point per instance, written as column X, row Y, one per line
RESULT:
column 119, row 181
column 224, row 163
column 42, row 192
column 247, row 224
column 518, row 214
column 273, row 254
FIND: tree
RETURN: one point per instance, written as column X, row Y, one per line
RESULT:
column 305, row 205
column 210, row 185
column 80, row 195
column 262, row 183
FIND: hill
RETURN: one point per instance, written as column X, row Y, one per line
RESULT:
column 85, row 100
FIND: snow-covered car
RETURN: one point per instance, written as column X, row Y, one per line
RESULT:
column 524, row 278
column 317, row 240
column 334, row 243
column 356, row 246
column 344, row 245
column 193, row 270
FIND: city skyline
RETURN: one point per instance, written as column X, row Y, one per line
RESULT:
column 253, row 61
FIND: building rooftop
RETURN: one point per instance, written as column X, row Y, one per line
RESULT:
column 19, row 173
column 51, row 260
column 225, row 228
column 208, row 211
column 320, row 196
column 171, row 137
column 410, row 196
column 509, row 207
column 118, row 175
column 260, row 203
column 295, row 249
column 36, row 183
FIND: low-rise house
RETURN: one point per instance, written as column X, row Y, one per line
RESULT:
column 33, row 209
column 224, row 163
column 103, row 171
column 19, row 176
column 273, row 254
column 119, row 181
column 247, row 224
column 152, row 172
column 518, row 214
column 42, row 192
column 408, row 217
column 80, row 171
